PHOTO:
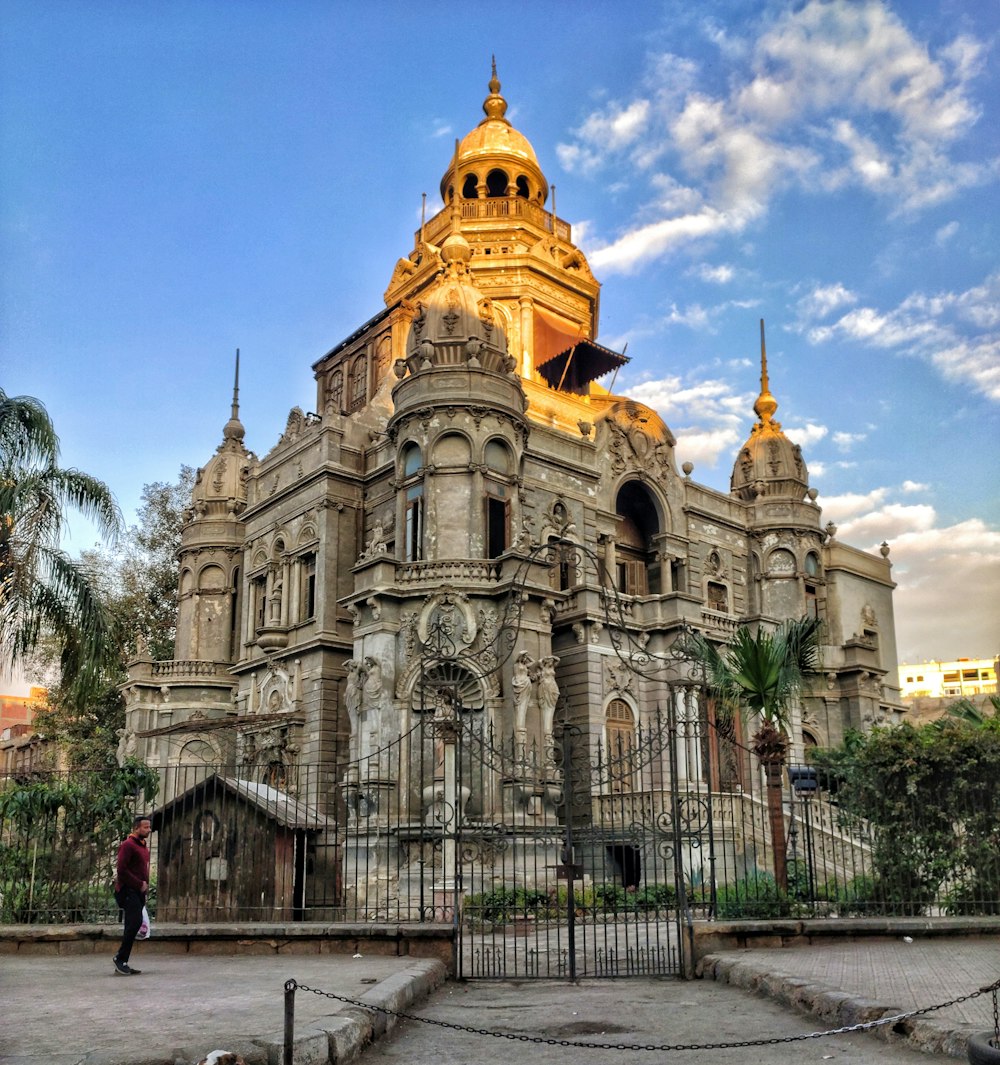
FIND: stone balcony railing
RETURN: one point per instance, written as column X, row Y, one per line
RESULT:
column 185, row 669
column 468, row 569
column 718, row 621
column 497, row 207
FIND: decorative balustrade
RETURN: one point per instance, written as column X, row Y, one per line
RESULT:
column 715, row 619
column 497, row 207
column 184, row 668
column 469, row 569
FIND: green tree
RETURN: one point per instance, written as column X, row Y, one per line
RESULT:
column 759, row 674
column 138, row 581
column 927, row 797
column 43, row 592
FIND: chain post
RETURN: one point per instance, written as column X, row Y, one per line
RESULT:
column 996, row 1019
column 289, row 1043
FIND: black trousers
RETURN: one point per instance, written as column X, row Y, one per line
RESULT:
column 132, row 902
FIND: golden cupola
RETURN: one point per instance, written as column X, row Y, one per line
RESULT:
column 494, row 160
column 769, row 466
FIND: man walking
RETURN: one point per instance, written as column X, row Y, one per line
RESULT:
column 131, row 885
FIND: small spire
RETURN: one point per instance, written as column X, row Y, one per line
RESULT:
column 763, row 359
column 233, row 429
column 495, row 106
column 766, row 404
column 236, row 388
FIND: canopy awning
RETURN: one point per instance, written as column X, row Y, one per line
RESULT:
column 579, row 364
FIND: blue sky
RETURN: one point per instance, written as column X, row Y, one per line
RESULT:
column 180, row 180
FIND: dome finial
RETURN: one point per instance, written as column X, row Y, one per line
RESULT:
column 495, row 106
column 766, row 404
column 233, row 429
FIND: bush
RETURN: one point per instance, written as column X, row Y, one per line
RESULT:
column 756, row 897
column 655, row 897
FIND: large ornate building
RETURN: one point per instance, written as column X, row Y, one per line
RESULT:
column 463, row 458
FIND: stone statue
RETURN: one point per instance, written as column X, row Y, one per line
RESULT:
column 374, row 693
column 520, row 686
column 128, row 745
column 548, row 692
column 352, row 698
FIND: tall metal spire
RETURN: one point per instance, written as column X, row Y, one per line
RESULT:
column 766, row 404
column 234, row 427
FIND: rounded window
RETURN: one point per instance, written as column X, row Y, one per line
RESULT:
column 812, row 564
column 411, row 460
column 451, row 450
column 497, row 457
column 496, row 183
column 469, row 187
column 522, row 187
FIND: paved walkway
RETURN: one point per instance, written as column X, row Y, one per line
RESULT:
column 855, row 981
column 66, row 1009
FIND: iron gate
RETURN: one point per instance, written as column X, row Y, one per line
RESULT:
column 600, row 857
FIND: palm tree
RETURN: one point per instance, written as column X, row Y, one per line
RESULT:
column 43, row 592
column 758, row 675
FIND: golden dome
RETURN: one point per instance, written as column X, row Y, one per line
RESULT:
column 769, row 464
column 495, row 141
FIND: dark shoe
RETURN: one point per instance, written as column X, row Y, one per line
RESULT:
column 133, row 972
column 121, row 967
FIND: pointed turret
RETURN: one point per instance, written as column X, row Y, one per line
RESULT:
column 211, row 548
column 769, row 464
column 221, row 485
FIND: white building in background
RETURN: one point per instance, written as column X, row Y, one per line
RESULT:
column 958, row 679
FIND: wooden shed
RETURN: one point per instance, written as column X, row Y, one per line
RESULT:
column 231, row 850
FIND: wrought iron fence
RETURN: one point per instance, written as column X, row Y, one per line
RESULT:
column 674, row 820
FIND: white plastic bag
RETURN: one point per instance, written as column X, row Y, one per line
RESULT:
column 146, row 928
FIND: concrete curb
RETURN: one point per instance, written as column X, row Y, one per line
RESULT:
column 332, row 1040
column 838, row 1009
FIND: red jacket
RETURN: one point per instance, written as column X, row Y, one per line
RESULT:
column 133, row 864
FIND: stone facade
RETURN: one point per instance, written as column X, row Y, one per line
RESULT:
column 331, row 589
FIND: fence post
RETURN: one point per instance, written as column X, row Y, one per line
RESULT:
column 286, row 1050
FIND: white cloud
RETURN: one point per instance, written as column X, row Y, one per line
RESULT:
column 948, row 584
column 836, row 93
column 945, row 233
column 845, row 441
column 932, row 326
column 852, row 504
column 717, row 275
column 825, row 299
column 891, row 520
column 646, row 242
column 948, row 577
column 804, row 435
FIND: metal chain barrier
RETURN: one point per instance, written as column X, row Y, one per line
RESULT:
column 292, row 985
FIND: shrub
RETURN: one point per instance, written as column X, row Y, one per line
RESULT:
column 755, row 897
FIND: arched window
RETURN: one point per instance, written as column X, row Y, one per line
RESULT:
column 469, row 187
column 359, row 382
column 413, row 504
column 812, row 564
column 717, row 596
column 496, row 183
column 498, row 492
column 619, row 733
column 637, row 562
column 522, row 187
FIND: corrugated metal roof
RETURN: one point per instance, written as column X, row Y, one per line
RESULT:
column 277, row 805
